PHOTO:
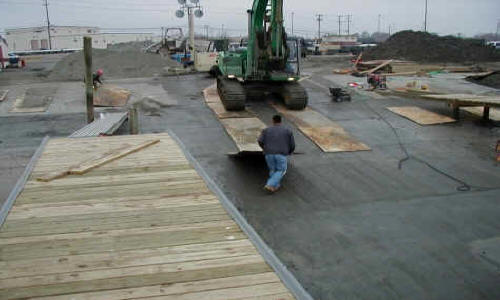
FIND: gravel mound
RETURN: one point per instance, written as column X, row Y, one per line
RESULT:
column 116, row 63
column 425, row 47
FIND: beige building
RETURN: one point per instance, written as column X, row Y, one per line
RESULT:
column 67, row 37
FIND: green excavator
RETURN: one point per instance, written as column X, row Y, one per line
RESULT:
column 270, row 63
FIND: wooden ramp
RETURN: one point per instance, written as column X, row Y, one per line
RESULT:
column 325, row 133
column 142, row 226
column 242, row 126
column 421, row 116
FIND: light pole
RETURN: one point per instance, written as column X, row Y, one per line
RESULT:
column 193, row 9
column 425, row 20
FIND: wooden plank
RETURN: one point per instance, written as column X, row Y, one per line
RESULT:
column 135, row 239
column 112, row 180
column 93, row 207
column 244, row 132
column 421, row 116
column 222, row 113
column 265, row 289
column 86, row 166
column 91, row 226
column 213, row 101
column 187, row 187
column 478, row 111
column 478, row 100
column 109, row 279
column 326, row 134
column 175, row 288
column 122, row 259
column 377, row 67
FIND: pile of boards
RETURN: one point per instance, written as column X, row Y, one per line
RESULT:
column 400, row 68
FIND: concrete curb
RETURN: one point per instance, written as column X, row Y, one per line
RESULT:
column 21, row 182
column 283, row 273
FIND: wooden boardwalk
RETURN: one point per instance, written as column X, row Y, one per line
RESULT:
column 143, row 226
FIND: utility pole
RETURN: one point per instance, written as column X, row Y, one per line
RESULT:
column 349, row 24
column 498, row 29
column 378, row 25
column 340, row 25
column 425, row 20
column 319, row 19
column 389, row 29
column 89, row 89
column 292, row 21
column 48, row 22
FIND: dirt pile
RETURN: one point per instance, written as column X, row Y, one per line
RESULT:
column 116, row 63
column 491, row 80
column 425, row 47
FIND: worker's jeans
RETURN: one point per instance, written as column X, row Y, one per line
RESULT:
column 277, row 165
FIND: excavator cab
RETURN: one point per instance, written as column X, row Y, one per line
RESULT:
column 294, row 56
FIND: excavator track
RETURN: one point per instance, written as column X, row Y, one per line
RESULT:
column 232, row 94
column 294, row 95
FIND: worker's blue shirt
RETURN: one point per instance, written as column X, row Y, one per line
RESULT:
column 277, row 139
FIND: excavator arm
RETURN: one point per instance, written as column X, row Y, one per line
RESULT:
column 270, row 32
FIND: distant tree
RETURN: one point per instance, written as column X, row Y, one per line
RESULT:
column 487, row 37
column 380, row 37
column 365, row 38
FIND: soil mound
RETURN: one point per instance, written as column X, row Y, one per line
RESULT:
column 425, row 47
column 116, row 63
column 491, row 80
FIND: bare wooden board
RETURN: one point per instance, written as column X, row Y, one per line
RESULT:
column 213, row 101
column 377, row 67
column 244, row 132
column 421, row 116
column 151, row 233
column 478, row 111
column 3, row 94
column 325, row 133
column 111, row 95
column 86, row 166
column 478, row 100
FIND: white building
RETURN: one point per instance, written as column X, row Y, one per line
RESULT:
column 3, row 51
column 335, row 43
column 67, row 37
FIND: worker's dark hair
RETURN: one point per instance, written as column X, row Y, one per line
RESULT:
column 277, row 119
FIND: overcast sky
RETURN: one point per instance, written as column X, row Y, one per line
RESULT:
column 445, row 16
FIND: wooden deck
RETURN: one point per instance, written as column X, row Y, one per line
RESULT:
column 143, row 226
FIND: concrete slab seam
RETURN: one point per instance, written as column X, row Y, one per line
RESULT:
column 267, row 253
column 21, row 181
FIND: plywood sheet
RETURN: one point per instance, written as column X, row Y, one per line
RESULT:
column 213, row 101
column 111, row 95
column 34, row 100
column 325, row 133
column 154, row 232
column 478, row 111
column 421, row 116
column 244, row 132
